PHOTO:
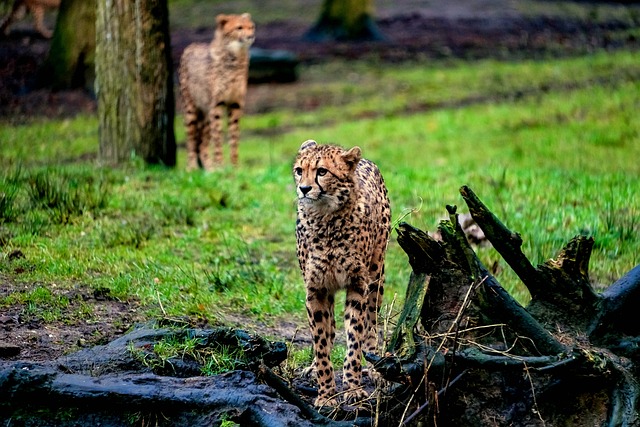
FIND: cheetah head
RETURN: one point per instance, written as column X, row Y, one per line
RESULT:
column 236, row 31
column 325, row 175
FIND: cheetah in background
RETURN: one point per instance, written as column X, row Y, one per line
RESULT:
column 213, row 81
column 342, row 231
column 37, row 9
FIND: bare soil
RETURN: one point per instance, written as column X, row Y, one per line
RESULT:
column 451, row 30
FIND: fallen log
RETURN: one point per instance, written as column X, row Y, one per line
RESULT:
column 111, row 385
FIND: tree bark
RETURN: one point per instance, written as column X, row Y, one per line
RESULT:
column 342, row 20
column 71, row 60
column 134, row 82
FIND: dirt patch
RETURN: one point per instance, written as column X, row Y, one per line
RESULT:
column 83, row 319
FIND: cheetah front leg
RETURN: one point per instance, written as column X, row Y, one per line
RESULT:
column 38, row 19
column 320, row 311
column 235, row 112
column 215, row 131
column 355, row 323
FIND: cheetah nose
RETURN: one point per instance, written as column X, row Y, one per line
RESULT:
column 304, row 189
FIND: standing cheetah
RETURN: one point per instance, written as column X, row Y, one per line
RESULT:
column 213, row 81
column 37, row 9
column 342, row 232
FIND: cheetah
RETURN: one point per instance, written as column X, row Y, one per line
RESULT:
column 37, row 9
column 213, row 81
column 342, row 230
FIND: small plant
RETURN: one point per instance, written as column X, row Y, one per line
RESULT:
column 8, row 191
column 214, row 359
column 621, row 224
column 222, row 359
column 298, row 359
column 225, row 422
column 39, row 303
column 66, row 195
column 133, row 232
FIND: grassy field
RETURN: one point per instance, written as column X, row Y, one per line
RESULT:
column 552, row 147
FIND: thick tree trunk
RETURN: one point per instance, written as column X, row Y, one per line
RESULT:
column 71, row 59
column 134, row 82
column 342, row 20
column 569, row 358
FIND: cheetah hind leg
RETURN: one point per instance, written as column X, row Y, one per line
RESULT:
column 374, row 302
column 194, row 123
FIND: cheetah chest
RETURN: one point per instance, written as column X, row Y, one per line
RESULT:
column 330, row 253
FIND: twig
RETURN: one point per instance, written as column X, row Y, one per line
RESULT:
column 164, row 313
column 533, row 395
column 426, row 404
column 406, row 214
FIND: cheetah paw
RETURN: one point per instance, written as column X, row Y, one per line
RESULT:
column 355, row 395
column 325, row 402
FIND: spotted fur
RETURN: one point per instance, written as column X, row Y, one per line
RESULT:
column 213, row 81
column 342, row 232
column 37, row 9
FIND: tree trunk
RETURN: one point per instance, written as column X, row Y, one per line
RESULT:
column 569, row 358
column 71, row 59
column 342, row 20
column 134, row 82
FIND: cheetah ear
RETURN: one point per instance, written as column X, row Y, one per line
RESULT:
column 246, row 15
column 221, row 20
column 308, row 144
column 352, row 157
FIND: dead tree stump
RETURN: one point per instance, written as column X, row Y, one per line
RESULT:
column 465, row 353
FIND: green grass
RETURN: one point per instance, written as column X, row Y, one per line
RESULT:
column 213, row 359
column 550, row 146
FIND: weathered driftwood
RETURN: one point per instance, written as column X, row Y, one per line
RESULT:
column 569, row 357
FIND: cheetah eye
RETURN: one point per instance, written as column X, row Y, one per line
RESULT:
column 298, row 171
column 239, row 27
column 322, row 171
